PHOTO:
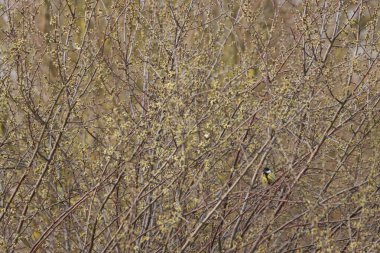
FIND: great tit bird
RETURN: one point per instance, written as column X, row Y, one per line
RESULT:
column 268, row 176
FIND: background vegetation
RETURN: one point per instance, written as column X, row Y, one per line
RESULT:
column 144, row 125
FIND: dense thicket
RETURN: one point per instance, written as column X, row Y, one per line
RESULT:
column 145, row 125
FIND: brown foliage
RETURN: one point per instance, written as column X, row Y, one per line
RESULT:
column 144, row 126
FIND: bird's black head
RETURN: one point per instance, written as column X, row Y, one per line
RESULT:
column 266, row 171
